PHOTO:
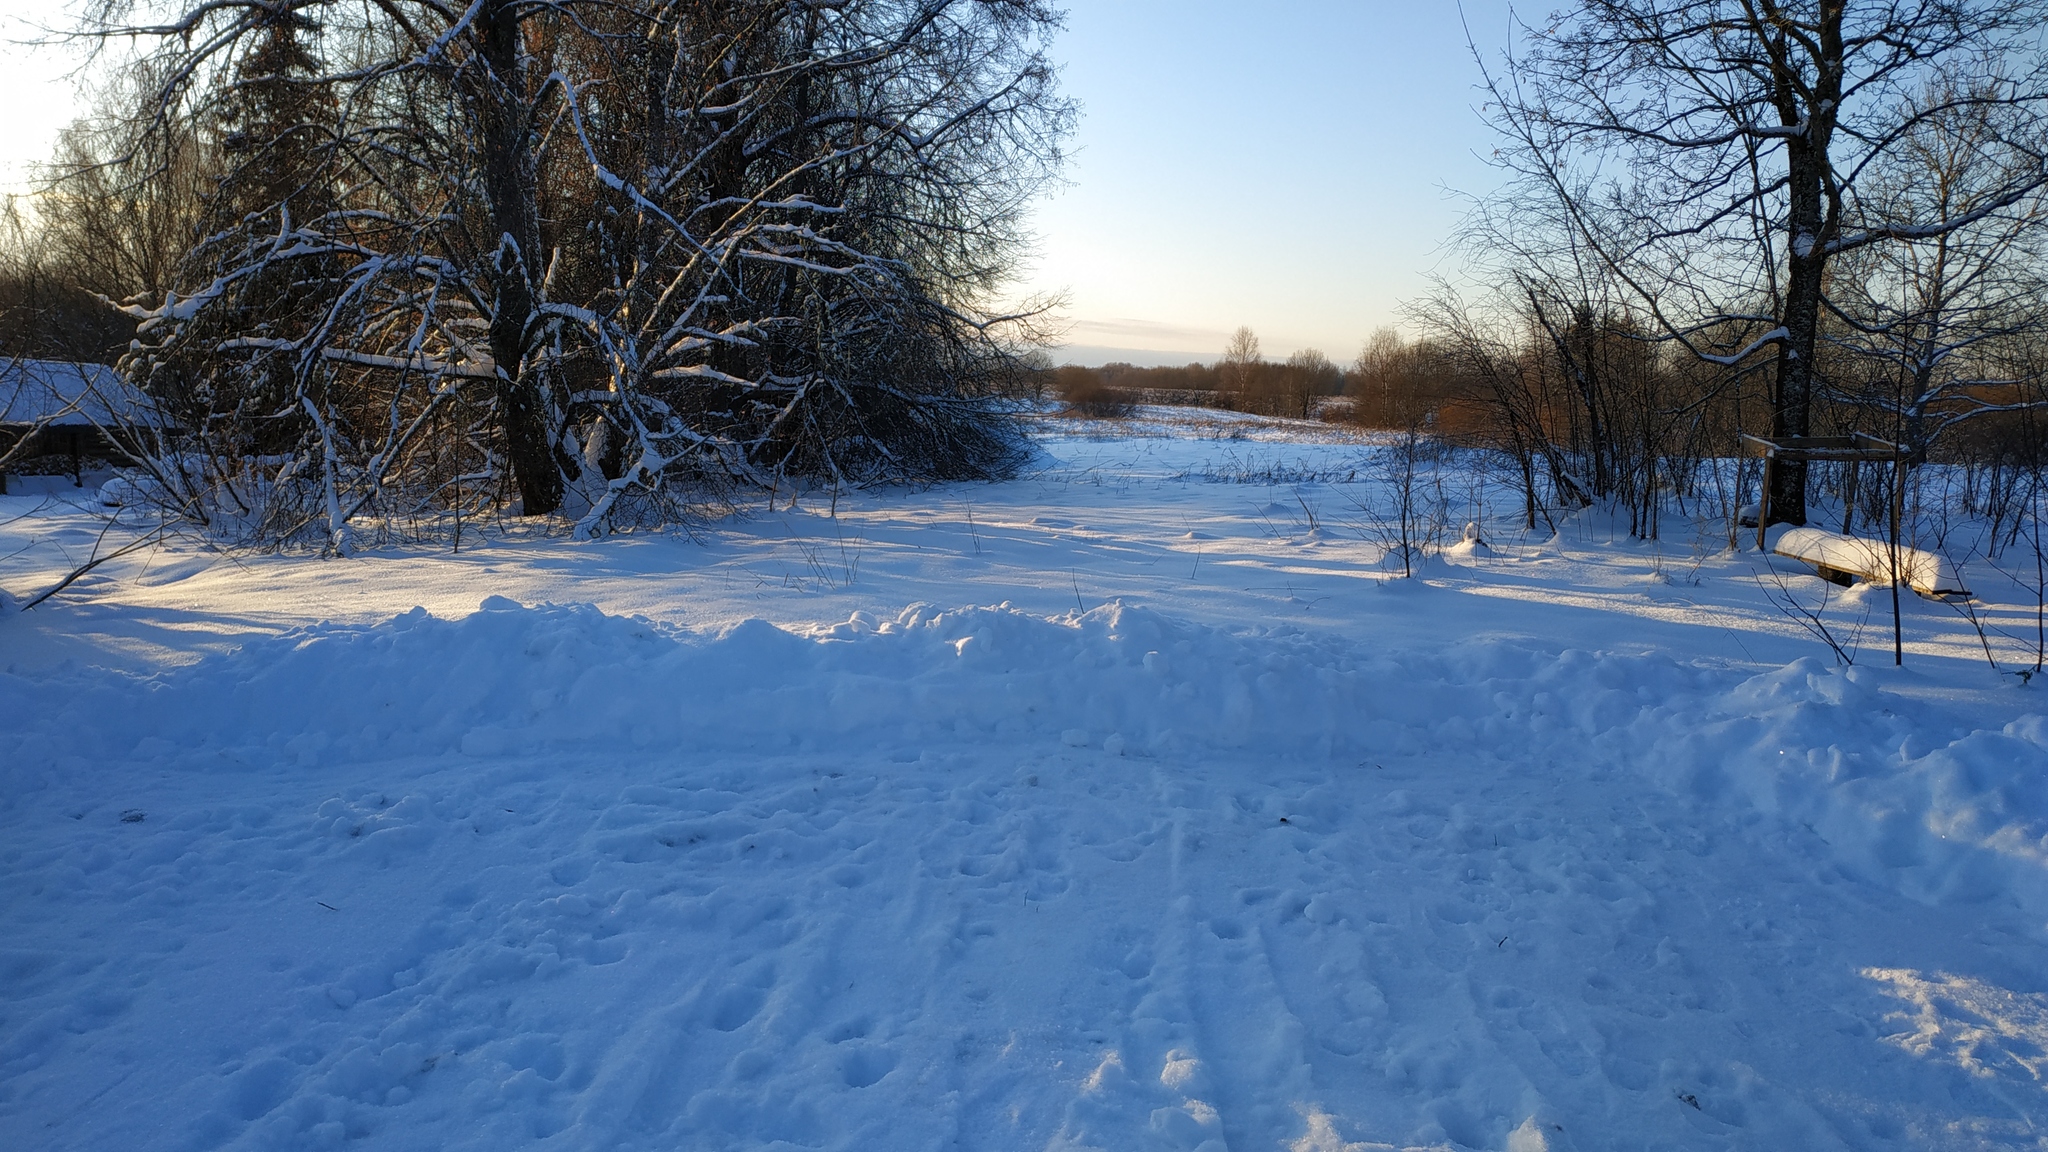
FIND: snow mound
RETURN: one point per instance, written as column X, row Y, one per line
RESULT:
column 1961, row 822
column 508, row 679
column 1821, row 746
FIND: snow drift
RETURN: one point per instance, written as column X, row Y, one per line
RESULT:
column 1826, row 747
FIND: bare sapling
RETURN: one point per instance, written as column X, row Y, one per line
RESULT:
column 1813, row 620
column 1409, row 521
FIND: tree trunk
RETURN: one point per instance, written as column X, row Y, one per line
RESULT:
column 1792, row 399
column 1813, row 217
column 510, row 186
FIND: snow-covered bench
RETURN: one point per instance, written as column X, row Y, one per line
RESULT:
column 1837, row 557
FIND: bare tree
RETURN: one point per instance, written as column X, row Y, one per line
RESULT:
column 1717, row 156
column 587, row 249
column 1488, row 347
column 1947, row 322
column 1305, row 376
column 1376, row 375
column 121, row 199
column 1240, row 363
column 45, row 312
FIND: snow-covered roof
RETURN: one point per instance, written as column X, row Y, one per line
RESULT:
column 66, row 394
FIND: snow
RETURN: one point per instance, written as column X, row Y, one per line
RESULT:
column 1925, row 572
column 67, row 395
column 1123, row 806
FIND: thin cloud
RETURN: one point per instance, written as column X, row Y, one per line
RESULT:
column 1134, row 332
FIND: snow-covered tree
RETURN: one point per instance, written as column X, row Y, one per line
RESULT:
column 575, row 251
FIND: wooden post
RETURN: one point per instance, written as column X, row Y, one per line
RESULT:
column 1898, row 506
column 1898, row 497
column 1849, row 497
column 1763, row 500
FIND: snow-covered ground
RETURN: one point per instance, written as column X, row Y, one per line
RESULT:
column 1128, row 805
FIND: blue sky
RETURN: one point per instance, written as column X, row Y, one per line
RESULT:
column 1282, row 165
column 1289, row 165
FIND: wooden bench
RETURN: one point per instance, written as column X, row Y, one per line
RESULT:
column 1843, row 559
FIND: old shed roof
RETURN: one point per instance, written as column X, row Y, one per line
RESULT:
column 61, row 393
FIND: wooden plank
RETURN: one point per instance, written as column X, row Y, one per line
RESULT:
column 1860, row 447
column 1829, row 552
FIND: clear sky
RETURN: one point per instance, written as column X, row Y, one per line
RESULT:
column 35, row 92
column 1289, row 164
column 1282, row 164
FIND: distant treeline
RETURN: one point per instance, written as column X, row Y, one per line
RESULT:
column 1392, row 384
column 1578, row 405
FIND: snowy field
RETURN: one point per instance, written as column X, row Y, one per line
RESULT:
column 1127, row 805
